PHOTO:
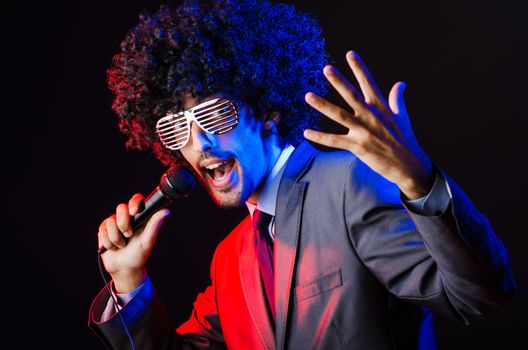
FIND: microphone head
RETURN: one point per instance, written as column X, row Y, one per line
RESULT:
column 177, row 182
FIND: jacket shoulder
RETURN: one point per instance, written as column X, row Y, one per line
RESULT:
column 330, row 169
column 328, row 159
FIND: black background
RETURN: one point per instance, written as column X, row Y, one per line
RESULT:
column 65, row 167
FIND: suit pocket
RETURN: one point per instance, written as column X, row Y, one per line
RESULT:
column 319, row 286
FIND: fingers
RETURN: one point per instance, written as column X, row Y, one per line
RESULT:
column 344, row 88
column 123, row 220
column 327, row 139
column 354, row 99
column 136, row 204
column 152, row 228
column 104, row 239
column 396, row 101
column 354, row 141
column 113, row 232
column 336, row 113
column 366, row 81
column 114, row 229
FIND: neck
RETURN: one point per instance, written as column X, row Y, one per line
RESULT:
column 273, row 155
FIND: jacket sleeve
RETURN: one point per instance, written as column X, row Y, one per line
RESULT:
column 451, row 263
column 150, row 326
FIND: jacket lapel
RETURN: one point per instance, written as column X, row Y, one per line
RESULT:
column 253, row 289
column 288, row 217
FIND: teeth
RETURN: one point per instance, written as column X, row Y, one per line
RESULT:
column 214, row 166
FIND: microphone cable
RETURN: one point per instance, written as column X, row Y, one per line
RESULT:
column 116, row 307
column 177, row 182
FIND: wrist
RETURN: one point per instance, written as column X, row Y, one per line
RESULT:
column 418, row 185
column 414, row 192
column 127, row 281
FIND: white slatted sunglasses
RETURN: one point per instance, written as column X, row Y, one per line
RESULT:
column 216, row 117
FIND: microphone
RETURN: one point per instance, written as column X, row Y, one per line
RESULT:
column 175, row 183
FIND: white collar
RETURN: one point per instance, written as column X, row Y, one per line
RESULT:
column 268, row 194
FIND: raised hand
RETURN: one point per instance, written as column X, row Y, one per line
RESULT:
column 379, row 132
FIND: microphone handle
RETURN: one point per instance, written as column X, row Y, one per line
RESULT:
column 154, row 202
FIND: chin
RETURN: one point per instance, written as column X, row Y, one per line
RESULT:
column 231, row 198
column 228, row 200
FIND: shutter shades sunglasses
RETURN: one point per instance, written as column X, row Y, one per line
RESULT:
column 215, row 117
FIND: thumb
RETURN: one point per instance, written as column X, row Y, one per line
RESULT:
column 396, row 102
column 152, row 228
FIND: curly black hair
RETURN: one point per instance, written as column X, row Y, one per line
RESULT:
column 268, row 55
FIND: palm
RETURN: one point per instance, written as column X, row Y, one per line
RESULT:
column 379, row 132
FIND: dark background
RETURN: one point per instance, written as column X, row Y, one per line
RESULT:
column 65, row 167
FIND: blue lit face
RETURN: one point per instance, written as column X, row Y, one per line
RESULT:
column 234, row 165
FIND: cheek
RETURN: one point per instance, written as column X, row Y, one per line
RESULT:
column 252, row 162
column 190, row 159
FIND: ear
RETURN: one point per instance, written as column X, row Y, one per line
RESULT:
column 271, row 119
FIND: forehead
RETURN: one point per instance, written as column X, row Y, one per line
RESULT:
column 190, row 101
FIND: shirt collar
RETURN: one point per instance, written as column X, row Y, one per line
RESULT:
column 268, row 195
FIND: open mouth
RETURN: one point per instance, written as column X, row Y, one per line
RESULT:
column 219, row 173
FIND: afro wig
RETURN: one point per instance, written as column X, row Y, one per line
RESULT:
column 268, row 55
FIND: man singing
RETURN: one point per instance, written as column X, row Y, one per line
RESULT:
column 353, row 248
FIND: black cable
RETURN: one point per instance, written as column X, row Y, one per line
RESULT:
column 99, row 259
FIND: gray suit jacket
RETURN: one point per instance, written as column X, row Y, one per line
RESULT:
column 354, row 269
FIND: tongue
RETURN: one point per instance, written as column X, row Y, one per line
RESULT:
column 219, row 172
column 223, row 169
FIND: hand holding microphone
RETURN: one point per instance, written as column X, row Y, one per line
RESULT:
column 127, row 237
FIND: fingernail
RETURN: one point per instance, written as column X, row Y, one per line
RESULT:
column 127, row 234
column 309, row 97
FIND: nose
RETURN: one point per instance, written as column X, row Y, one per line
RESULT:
column 199, row 139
